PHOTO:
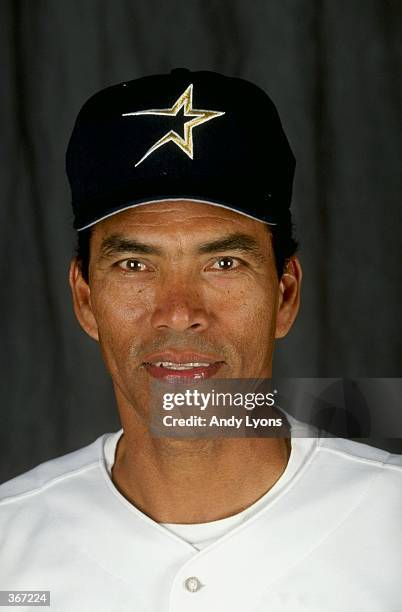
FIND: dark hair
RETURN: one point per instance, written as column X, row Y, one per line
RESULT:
column 284, row 244
column 82, row 251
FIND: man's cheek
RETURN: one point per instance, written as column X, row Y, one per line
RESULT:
column 111, row 309
column 250, row 308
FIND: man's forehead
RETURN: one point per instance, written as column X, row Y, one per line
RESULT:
column 169, row 218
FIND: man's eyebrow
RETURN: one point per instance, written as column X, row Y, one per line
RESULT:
column 116, row 243
column 119, row 244
column 234, row 242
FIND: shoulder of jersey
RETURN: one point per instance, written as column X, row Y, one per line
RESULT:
column 348, row 450
column 52, row 472
column 358, row 451
column 55, row 471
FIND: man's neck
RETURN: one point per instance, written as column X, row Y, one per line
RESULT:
column 196, row 481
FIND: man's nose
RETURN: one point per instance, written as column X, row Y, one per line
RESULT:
column 179, row 306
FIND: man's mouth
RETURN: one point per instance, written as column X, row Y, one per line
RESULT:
column 177, row 369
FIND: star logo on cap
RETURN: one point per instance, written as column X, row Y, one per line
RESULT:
column 199, row 116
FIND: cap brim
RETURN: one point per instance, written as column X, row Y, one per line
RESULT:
column 136, row 204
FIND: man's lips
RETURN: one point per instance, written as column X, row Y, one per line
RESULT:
column 173, row 367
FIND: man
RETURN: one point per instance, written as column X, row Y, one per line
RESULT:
column 186, row 271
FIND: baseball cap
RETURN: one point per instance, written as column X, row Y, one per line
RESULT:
column 198, row 136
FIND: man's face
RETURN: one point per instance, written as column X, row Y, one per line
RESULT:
column 182, row 288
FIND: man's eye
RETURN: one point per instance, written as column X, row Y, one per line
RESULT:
column 132, row 265
column 226, row 263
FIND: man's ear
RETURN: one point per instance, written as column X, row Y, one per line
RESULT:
column 289, row 297
column 82, row 300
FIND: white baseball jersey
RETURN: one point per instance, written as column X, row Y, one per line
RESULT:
column 326, row 538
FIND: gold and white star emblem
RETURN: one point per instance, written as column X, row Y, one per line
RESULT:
column 199, row 116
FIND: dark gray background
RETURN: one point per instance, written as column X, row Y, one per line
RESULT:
column 331, row 67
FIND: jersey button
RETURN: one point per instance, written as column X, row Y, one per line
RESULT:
column 192, row 584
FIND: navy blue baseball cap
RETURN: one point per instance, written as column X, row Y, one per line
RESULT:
column 197, row 136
